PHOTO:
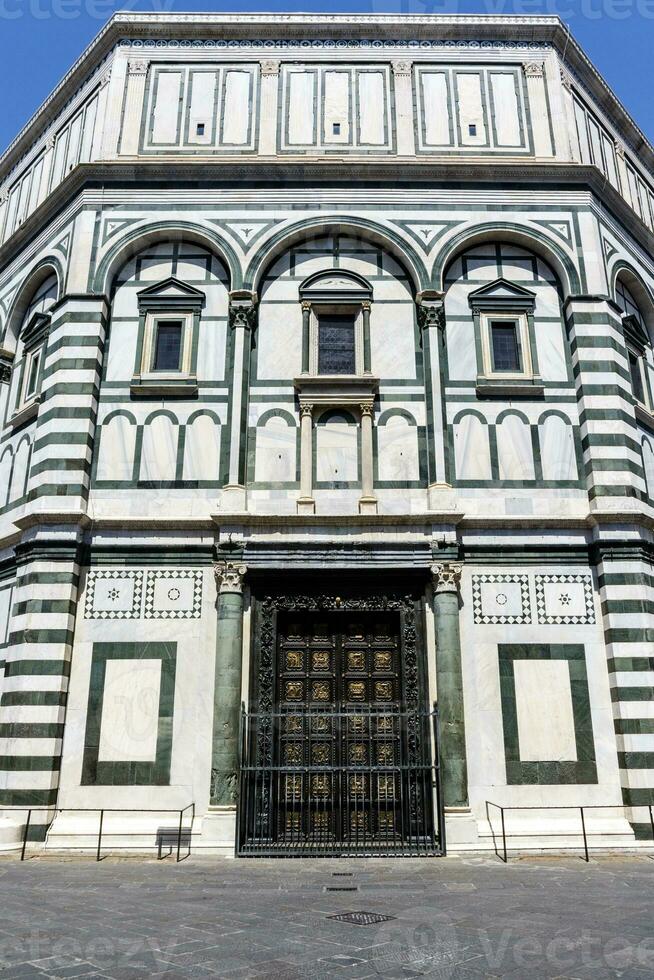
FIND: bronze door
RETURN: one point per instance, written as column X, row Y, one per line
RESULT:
column 339, row 746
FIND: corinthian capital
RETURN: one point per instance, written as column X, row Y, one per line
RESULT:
column 447, row 576
column 229, row 576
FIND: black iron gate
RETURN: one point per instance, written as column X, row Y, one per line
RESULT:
column 373, row 791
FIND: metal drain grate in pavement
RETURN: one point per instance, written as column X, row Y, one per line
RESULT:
column 361, row 918
column 341, row 888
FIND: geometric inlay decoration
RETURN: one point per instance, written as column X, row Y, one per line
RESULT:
column 113, row 594
column 173, row 593
column 501, row 599
column 562, row 599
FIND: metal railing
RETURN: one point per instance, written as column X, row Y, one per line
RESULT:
column 583, row 831
column 357, row 781
column 165, row 836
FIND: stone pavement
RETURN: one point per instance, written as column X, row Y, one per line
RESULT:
column 461, row 918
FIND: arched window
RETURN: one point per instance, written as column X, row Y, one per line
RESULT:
column 336, row 324
column 31, row 352
column 637, row 342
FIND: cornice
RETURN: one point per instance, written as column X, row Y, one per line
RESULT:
column 377, row 30
column 268, row 172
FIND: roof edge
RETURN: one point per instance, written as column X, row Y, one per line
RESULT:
column 534, row 28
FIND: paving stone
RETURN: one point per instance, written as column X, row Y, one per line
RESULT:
column 453, row 919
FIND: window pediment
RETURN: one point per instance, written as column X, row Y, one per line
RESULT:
column 170, row 294
column 36, row 329
column 335, row 286
column 634, row 330
column 502, row 295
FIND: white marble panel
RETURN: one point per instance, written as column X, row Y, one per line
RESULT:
column 116, row 452
column 301, row 88
column 551, row 353
column 372, row 107
column 505, row 104
column 202, row 99
column 471, row 111
column 436, row 111
column 546, row 731
column 276, row 452
column 236, row 109
column 336, row 451
column 19, row 475
column 130, row 711
column 648, row 465
column 461, row 351
column 392, row 340
column 514, row 449
column 159, row 450
column 501, row 599
column 557, row 449
column 165, row 117
column 114, row 594
column 279, row 341
column 336, row 106
column 202, row 450
column 397, row 443
column 472, row 449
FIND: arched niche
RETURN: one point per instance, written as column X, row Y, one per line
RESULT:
column 202, row 435
column 558, row 453
column 515, row 456
column 275, row 459
column 116, row 447
column 158, row 463
column 471, row 447
column 398, row 452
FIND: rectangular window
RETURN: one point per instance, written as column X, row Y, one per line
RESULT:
column 637, row 380
column 32, row 376
column 167, row 352
column 336, row 343
column 505, row 346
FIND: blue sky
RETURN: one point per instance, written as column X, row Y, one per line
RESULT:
column 40, row 39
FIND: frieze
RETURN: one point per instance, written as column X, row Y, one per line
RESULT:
column 330, row 44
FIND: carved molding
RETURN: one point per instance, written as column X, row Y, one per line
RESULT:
column 229, row 576
column 137, row 67
column 566, row 80
column 366, row 408
column 270, row 68
column 402, row 69
column 446, row 576
column 534, row 69
column 242, row 309
column 306, row 408
column 431, row 315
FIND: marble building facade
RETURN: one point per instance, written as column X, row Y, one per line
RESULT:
column 326, row 380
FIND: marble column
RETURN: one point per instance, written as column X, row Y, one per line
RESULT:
column 242, row 319
column 449, row 679
column 306, row 335
column 365, row 309
column 367, row 501
column 431, row 320
column 306, row 504
column 227, row 690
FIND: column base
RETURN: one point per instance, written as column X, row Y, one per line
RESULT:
column 367, row 505
column 306, row 505
column 461, row 832
column 233, row 499
column 218, row 831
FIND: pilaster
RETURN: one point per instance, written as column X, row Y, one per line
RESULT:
column 137, row 71
column 404, row 123
column 269, row 107
column 535, row 76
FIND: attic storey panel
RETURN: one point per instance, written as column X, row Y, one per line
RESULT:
column 471, row 109
column 200, row 108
